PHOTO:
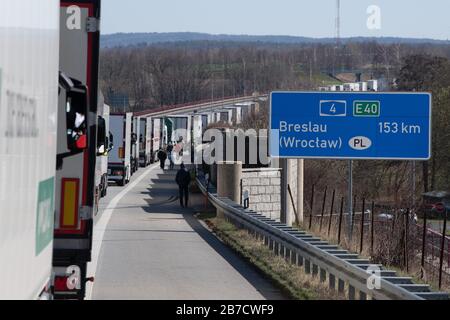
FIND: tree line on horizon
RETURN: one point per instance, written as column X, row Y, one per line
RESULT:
column 155, row 76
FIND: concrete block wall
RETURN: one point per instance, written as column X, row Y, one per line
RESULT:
column 264, row 188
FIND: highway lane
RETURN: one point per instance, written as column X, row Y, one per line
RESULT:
column 153, row 249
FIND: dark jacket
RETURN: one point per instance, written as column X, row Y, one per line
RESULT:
column 183, row 178
column 162, row 155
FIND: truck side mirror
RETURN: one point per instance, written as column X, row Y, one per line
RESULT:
column 75, row 103
column 111, row 142
column 76, row 118
column 101, row 137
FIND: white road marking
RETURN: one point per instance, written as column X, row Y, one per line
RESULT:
column 100, row 228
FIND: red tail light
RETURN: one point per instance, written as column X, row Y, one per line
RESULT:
column 82, row 142
column 61, row 284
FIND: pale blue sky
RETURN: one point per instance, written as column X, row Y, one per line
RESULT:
column 311, row 18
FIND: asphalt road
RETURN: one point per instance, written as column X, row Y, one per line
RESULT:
column 153, row 249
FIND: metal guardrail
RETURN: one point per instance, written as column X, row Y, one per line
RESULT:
column 323, row 259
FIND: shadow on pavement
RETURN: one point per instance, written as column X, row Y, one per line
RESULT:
column 165, row 188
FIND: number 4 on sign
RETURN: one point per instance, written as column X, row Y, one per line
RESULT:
column 333, row 108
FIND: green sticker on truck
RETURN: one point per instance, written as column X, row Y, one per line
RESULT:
column 44, row 215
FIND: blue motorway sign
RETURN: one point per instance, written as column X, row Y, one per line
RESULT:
column 350, row 125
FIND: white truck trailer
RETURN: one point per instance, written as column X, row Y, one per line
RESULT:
column 135, row 150
column 119, row 158
column 77, row 146
column 156, row 138
column 145, row 141
column 29, row 47
column 236, row 114
column 372, row 85
column 103, row 146
column 363, row 86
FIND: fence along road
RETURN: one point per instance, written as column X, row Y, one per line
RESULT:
column 343, row 270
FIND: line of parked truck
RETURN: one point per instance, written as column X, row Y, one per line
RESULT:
column 60, row 145
column 52, row 146
column 370, row 85
column 134, row 143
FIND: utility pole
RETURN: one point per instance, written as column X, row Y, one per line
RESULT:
column 338, row 22
column 413, row 186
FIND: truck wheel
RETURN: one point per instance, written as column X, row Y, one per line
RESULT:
column 122, row 182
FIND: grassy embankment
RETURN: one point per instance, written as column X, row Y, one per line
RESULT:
column 290, row 278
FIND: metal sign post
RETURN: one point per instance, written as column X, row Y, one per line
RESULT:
column 350, row 200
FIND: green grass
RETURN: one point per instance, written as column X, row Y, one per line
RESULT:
column 319, row 79
column 205, row 215
column 290, row 278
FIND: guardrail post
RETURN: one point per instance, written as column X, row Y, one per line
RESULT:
column 277, row 248
column 293, row 257
column 300, row 260
column 351, row 292
column 332, row 281
column 307, row 266
column 287, row 254
column 229, row 174
column 341, row 286
column 323, row 275
column 261, row 237
column 315, row 269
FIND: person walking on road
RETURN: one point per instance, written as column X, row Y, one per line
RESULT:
column 162, row 156
column 183, row 180
column 170, row 156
